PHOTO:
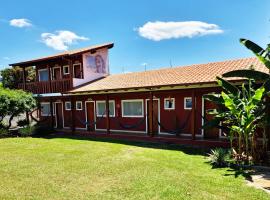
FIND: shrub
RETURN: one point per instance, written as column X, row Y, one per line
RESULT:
column 218, row 157
column 27, row 130
column 3, row 132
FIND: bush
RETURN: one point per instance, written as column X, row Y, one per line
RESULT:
column 219, row 157
column 27, row 130
column 3, row 132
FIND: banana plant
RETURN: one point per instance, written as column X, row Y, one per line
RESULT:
column 239, row 111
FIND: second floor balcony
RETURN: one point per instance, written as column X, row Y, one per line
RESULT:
column 41, row 87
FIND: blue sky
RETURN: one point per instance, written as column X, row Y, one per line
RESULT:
column 158, row 33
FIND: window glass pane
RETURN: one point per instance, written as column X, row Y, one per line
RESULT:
column 79, row 105
column 66, row 70
column 111, row 108
column 188, row 103
column 43, row 75
column 169, row 103
column 45, row 109
column 133, row 108
column 101, row 108
column 68, row 105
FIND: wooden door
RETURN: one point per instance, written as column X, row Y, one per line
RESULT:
column 59, row 115
column 153, row 127
column 90, row 116
column 77, row 71
column 56, row 73
column 212, row 132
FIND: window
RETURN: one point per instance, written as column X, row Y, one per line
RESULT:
column 43, row 75
column 67, row 105
column 132, row 108
column 45, row 109
column 66, row 69
column 79, row 105
column 187, row 103
column 169, row 103
column 101, row 108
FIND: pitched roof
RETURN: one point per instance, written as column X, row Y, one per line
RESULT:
column 65, row 53
column 185, row 75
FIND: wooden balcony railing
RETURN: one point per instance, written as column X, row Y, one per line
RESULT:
column 42, row 87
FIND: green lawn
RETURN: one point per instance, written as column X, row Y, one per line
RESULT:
column 62, row 168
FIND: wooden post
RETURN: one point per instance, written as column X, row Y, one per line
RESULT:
column 51, row 111
column 107, row 114
column 72, row 114
column 70, row 63
column 50, row 83
column 150, row 114
column 193, row 117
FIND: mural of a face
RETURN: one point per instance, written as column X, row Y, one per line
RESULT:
column 100, row 64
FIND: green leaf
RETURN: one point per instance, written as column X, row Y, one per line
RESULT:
column 262, row 55
column 227, row 86
column 216, row 98
column 258, row 94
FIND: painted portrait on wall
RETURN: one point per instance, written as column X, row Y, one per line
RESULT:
column 97, row 62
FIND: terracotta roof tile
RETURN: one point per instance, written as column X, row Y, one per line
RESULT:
column 185, row 75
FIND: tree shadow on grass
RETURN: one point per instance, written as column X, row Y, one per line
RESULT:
column 146, row 144
column 236, row 172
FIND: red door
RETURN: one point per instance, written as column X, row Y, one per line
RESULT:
column 152, row 116
column 59, row 115
column 90, row 116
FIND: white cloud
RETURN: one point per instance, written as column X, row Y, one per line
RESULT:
column 61, row 40
column 6, row 58
column 20, row 23
column 172, row 30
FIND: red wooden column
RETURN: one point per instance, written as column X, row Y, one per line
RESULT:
column 51, row 111
column 107, row 114
column 150, row 115
column 72, row 101
column 50, row 78
column 193, row 115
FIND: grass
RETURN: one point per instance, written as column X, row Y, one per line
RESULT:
column 66, row 168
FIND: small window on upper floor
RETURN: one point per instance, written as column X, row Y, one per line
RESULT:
column 66, row 69
column 77, row 70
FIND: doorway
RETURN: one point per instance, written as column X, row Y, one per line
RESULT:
column 56, row 73
column 90, row 115
column 77, row 72
column 153, row 117
column 59, row 114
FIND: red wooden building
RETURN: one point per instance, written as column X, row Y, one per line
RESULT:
column 77, row 93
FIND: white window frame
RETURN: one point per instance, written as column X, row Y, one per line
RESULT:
column 185, row 106
column 132, row 100
column 81, row 105
column 66, row 102
column 66, row 66
column 80, row 70
column 44, row 115
column 105, row 114
column 39, row 74
column 173, row 108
